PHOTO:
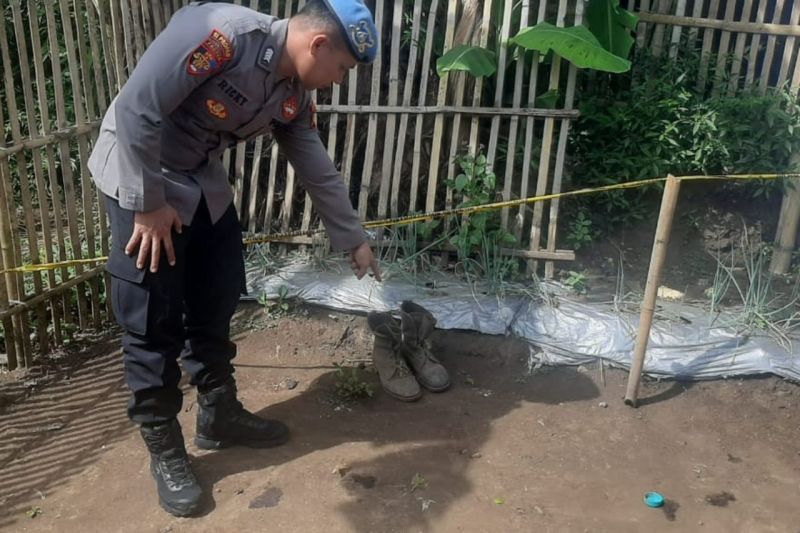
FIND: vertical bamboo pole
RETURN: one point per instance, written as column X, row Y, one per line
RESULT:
column 708, row 39
column 675, row 41
column 641, row 29
column 350, row 129
column 158, row 16
column 123, row 58
column 94, row 31
column 82, row 63
column 390, row 130
column 786, row 233
column 273, row 166
column 394, row 199
column 258, row 151
column 22, row 166
column 438, row 126
column 128, row 35
column 505, row 32
column 755, row 44
column 7, row 283
column 738, row 50
column 561, row 151
column 547, row 147
column 656, row 45
column 60, row 304
column 288, row 197
column 722, row 50
column 104, row 21
column 477, row 93
column 697, row 12
column 514, row 122
column 97, row 30
column 529, row 132
column 795, row 85
column 425, row 71
column 391, row 120
column 789, row 47
column 766, row 66
column 43, row 210
column 372, row 124
column 66, row 163
column 238, row 175
column 83, row 154
column 147, row 23
column 668, row 202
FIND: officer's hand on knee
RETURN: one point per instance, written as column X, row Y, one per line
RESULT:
column 150, row 229
column 361, row 259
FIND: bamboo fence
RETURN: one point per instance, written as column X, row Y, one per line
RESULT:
column 394, row 128
column 745, row 44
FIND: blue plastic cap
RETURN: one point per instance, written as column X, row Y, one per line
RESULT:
column 654, row 499
column 358, row 28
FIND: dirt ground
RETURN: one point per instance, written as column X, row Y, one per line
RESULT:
column 503, row 450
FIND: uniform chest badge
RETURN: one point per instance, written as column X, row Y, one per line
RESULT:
column 217, row 109
column 289, row 108
column 211, row 55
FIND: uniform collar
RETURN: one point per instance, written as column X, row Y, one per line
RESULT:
column 271, row 49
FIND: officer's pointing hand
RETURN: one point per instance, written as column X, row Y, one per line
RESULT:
column 150, row 229
column 361, row 259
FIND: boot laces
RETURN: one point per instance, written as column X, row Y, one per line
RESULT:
column 176, row 472
column 401, row 369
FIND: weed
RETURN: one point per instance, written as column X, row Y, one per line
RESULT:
column 350, row 386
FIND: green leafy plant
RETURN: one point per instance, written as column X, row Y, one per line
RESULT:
column 604, row 45
column 580, row 230
column 576, row 281
column 280, row 306
column 654, row 121
column 350, row 386
column 480, row 234
column 473, row 59
column 612, row 25
column 576, row 44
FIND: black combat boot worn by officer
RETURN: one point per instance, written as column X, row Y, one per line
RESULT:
column 178, row 491
column 223, row 422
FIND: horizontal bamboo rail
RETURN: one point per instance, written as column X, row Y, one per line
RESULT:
column 761, row 28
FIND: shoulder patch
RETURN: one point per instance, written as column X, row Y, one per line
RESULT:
column 211, row 55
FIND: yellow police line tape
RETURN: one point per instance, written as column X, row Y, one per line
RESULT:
column 412, row 219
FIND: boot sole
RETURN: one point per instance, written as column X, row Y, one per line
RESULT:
column 181, row 511
column 210, row 444
column 431, row 388
column 408, row 399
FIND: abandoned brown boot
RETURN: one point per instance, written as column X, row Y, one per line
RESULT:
column 396, row 378
column 417, row 325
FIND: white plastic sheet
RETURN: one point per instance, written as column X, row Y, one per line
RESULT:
column 567, row 331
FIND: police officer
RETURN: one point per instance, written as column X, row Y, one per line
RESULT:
column 217, row 74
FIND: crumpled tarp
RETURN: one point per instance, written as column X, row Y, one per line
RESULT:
column 567, row 331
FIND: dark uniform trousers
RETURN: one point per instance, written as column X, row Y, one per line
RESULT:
column 179, row 311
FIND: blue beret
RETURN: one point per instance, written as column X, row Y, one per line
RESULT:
column 358, row 27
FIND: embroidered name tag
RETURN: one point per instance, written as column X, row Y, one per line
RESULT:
column 232, row 92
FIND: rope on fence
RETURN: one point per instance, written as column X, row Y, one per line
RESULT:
column 423, row 217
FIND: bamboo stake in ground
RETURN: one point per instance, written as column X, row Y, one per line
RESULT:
column 668, row 202
column 786, row 234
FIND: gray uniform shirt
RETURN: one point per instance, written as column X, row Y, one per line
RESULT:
column 206, row 82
